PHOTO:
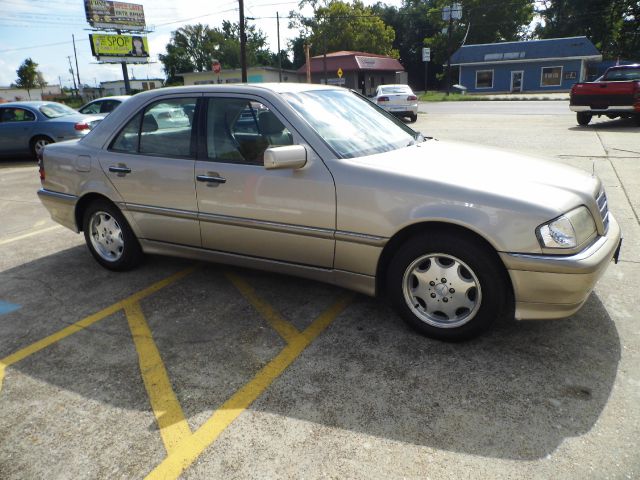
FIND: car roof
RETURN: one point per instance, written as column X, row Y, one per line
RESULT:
column 114, row 97
column 623, row 67
column 32, row 104
column 253, row 88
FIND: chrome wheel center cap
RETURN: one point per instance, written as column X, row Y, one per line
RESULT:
column 442, row 290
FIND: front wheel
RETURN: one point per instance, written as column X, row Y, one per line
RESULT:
column 110, row 238
column 583, row 118
column 447, row 286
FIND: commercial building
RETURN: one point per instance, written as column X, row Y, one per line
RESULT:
column 357, row 70
column 254, row 75
column 116, row 87
column 550, row 65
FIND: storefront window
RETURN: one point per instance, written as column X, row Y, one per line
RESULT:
column 551, row 76
column 484, row 79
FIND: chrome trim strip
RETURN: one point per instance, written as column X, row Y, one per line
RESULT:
column 65, row 197
column 362, row 238
column 316, row 232
column 265, row 225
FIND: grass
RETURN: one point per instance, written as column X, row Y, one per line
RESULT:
column 436, row 96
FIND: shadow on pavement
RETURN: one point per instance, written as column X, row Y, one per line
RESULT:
column 515, row 393
column 605, row 124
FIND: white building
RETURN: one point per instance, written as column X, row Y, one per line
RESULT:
column 10, row 94
column 254, row 75
column 116, row 87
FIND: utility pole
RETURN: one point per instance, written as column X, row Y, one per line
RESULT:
column 243, row 43
column 449, row 32
column 279, row 55
column 307, row 45
column 73, row 77
column 75, row 54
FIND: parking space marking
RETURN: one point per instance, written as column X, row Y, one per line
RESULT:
column 6, row 241
column 164, row 403
column 6, row 307
column 179, row 460
column 86, row 322
column 285, row 329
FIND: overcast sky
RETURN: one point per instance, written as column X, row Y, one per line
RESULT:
column 42, row 29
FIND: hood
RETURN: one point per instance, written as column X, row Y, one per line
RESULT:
column 486, row 173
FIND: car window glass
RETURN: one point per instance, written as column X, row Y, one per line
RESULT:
column 127, row 139
column 107, row 106
column 16, row 115
column 91, row 108
column 55, row 110
column 239, row 131
column 166, row 128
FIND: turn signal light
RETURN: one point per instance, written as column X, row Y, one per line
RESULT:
column 82, row 126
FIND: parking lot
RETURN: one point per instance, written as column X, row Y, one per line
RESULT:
column 195, row 370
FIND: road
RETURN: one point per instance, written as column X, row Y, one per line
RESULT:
column 194, row 369
column 491, row 107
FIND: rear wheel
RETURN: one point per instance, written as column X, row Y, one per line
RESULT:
column 583, row 118
column 413, row 117
column 110, row 238
column 447, row 286
column 637, row 119
column 38, row 143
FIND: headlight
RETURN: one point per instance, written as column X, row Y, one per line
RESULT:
column 568, row 230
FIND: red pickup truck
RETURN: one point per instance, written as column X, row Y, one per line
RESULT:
column 615, row 94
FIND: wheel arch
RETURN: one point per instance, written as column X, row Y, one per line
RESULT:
column 410, row 231
column 84, row 202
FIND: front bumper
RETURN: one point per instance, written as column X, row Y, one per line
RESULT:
column 547, row 286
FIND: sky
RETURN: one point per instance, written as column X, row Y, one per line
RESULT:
column 42, row 30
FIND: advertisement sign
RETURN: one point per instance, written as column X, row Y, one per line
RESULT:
column 118, row 48
column 116, row 15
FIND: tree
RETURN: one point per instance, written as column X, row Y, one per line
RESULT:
column 337, row 25
column 27, row 75
column 193, row 47
column 612, row 25
column 40, row 81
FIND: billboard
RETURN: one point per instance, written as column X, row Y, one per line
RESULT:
column 116, row 15
column 113, row 48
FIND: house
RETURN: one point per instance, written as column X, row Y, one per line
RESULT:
column 549, row 65
column 357, row 70
column 234, row 75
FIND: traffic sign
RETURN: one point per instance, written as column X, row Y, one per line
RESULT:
column 340, row 72
column 426, row 54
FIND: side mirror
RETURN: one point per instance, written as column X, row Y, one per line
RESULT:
column 289, row 156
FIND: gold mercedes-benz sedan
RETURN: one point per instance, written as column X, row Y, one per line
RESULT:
column 319, row 182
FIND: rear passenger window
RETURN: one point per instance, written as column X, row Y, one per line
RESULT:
column 163, row 129
column 239, row 131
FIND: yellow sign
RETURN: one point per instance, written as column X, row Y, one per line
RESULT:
column 339, row 72
column 124, row 47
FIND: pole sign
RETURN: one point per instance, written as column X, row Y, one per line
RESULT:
column 339, row 72
column 453, row 12
column 426, row 54
column 114, row 15
column 110, row 48
column 215, row 66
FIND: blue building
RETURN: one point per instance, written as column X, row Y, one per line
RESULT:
column 550, row 65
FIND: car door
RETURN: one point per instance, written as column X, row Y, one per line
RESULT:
column 286, row 214
column 151, row 164
column 16, row 126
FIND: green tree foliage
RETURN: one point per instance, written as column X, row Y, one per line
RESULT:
column 27, row 75
column 612, row 25
column 338, row 25
column 193, row 47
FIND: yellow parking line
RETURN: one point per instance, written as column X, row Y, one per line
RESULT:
column 86, row 322
column 27, row 235
column 279, row 324
column 188, row 451
column 169, row 415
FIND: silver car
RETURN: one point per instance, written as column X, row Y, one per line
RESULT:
column 318, row 182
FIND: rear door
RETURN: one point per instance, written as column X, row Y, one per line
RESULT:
column 151, row 164
column 287, row 214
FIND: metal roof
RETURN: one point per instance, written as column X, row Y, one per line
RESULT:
column 573, row 47
column 350, row 61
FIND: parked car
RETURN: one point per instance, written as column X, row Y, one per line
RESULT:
column 615, row 94
column 26, row 127
column 398, row 100
column 326, row 186
column 103, row 106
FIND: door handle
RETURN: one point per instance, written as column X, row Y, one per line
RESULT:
column 119, row 169
column 211, row 179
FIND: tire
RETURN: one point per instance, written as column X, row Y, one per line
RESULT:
column 583, row 118
column 38, row 143
column 413, row 118
column 110, row 238
column 447, row 286
column 637, row 119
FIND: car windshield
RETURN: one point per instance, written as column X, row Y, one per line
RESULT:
column 351, row 125
column 395, row 89
column 55, row 110
column 622, row 75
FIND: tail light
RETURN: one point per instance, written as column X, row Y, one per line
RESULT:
column 383, row 99
column 80, row 126
column 636, row 97
column 41, row 167
column 412, row 98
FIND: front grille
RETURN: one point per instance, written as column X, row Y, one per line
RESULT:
column 603, row 206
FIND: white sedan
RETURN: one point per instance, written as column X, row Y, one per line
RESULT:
column 398, row 99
